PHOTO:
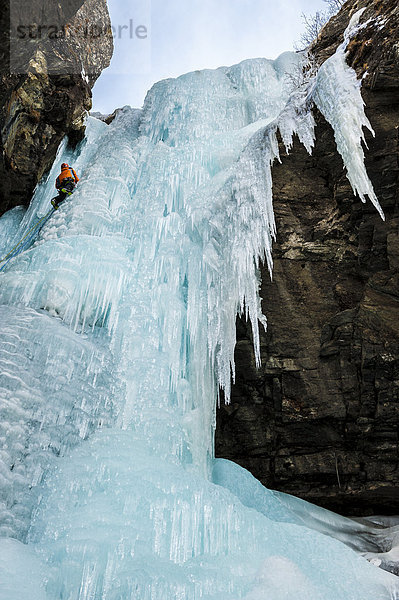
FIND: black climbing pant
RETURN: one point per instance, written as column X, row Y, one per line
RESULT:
column 66, row 190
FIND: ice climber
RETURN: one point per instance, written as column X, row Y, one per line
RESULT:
column 65, row 184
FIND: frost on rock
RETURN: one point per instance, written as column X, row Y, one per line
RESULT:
column 118, row 327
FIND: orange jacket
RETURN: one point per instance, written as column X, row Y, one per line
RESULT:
column 66, row 173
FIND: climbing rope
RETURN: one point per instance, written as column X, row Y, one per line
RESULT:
column 19, row 247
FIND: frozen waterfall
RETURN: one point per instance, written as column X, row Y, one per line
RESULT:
column 117, row 329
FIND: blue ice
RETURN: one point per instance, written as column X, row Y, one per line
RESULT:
column 118, row 327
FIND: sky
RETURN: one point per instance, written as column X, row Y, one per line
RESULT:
column 158, row 39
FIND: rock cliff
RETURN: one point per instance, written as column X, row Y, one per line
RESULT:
column 51, row 55
column 320, row 418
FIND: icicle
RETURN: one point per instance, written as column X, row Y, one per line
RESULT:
column 118, row 327
column 337, row 96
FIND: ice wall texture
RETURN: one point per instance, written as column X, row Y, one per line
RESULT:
column 118, row 324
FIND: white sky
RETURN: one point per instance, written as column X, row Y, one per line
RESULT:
column 185, row 35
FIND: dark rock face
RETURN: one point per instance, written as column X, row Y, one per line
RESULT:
column 45, row 86
column 320, row 419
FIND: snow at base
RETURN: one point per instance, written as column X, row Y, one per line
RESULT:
column 118, row 326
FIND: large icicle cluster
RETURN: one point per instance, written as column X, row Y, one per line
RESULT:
column 337, row 95
column 118, row 326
